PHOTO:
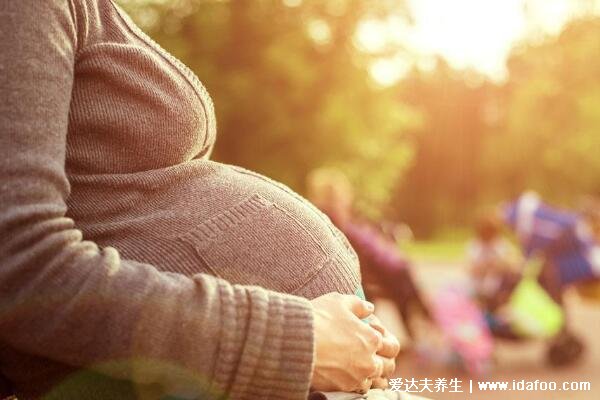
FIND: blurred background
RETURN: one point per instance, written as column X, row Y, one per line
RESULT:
column 434, row 110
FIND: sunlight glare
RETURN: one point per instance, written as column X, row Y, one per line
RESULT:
column 468, row 34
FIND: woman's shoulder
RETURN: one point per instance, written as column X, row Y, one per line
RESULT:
column 75, row 19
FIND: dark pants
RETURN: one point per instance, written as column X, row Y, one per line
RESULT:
column 399, row 286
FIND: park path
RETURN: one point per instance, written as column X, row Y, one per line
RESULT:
column 513, row 361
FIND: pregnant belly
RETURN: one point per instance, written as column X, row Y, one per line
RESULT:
column 234, row 224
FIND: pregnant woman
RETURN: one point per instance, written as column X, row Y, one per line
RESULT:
column 125, row 252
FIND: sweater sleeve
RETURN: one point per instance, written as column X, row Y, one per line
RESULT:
column 66, row 299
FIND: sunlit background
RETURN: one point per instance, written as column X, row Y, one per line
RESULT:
column 434, row 109
column 468, row 34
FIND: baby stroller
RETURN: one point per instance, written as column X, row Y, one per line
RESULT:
column 528, row 312
column 522, row 311
column 467, row 341
column 525, row 306
column 568, row 254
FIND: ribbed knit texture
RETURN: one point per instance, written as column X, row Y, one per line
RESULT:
column 125, row 254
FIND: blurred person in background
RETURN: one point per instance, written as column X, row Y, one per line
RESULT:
column 129, row 262
column 385, row 270
column 492, row 261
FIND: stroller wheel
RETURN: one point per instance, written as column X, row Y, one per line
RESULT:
column 564, row 350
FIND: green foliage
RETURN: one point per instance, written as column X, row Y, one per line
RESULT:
column 485, row 143
column 550, row 138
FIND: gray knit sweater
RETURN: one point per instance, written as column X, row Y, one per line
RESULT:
column 125, row 254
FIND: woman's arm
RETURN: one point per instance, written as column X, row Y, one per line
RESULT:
column 68, row 300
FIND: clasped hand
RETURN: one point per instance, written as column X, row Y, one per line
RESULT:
column 350, row 355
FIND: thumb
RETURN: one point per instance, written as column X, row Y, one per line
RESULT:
column 361, row 308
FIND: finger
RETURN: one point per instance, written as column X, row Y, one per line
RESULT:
column 376, row 324
column 389, row 366
column 380, row 383
column 373, row 339
column 390, row 346
column 365, row 385
column 361, row 308
column 379, row 365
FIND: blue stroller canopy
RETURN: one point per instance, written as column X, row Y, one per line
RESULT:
column 561, row 236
